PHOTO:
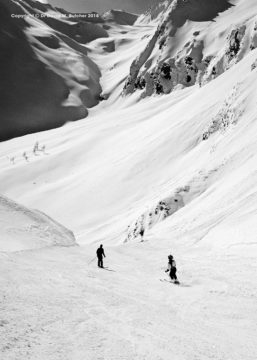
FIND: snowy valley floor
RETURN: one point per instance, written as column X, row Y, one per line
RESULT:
column 55, row 305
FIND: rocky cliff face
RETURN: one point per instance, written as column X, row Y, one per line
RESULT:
column 46, row 77
column 180, row 53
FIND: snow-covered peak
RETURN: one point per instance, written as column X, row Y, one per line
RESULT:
column 181, row 10
column 155, row 13
column 120, row 17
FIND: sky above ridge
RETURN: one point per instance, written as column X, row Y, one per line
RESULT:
column 136, row 6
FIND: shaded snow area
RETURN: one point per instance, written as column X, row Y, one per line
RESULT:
column 180, row 164
column 46, row 75
column 120, row 17
column 25, row 229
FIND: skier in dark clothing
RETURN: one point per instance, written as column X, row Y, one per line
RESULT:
column 100, row 253
column 172, row 269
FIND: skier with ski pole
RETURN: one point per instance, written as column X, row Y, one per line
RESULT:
column 172, row 269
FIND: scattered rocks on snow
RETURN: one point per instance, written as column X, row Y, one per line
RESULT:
column 228, row 115
column 188, row 66
column 163, row 209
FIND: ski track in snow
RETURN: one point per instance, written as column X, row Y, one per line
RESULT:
column 56, row 306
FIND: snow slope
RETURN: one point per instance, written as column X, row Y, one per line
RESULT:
column 142, row 156
column 24, row 229
column 123, row 168
column 194, row 43
column 55, row 305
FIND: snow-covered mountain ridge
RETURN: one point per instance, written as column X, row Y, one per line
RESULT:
column 120, row 17
column 174, row 134
column 194, row 43
column 46, row 75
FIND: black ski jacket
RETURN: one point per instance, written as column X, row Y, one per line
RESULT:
column 100, row 253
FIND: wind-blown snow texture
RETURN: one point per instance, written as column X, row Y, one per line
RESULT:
column 181, row 163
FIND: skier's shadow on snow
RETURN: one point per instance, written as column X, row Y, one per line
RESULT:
column 179, row 285
column 185, row 285
column 104, row 268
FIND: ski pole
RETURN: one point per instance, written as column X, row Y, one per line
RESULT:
column 92, row 260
